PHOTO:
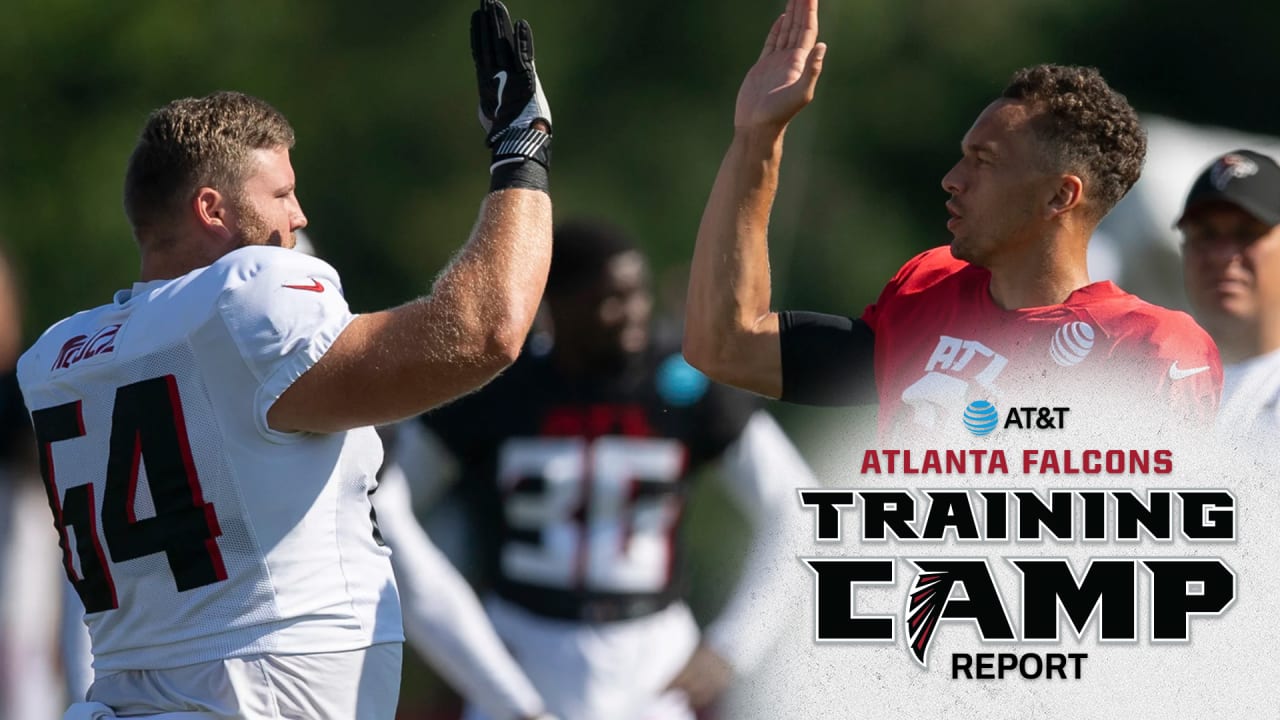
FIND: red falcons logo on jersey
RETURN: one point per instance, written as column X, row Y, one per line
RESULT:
column 83, row 347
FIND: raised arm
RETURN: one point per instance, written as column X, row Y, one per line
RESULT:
column 394, row 364
column 731, row 334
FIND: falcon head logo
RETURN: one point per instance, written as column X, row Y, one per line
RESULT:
column 925, row 604
column 1231, row 167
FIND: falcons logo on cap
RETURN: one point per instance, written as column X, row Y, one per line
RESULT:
column 1231, row 167
column 924, row 609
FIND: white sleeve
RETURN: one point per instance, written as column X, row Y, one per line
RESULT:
column 284, row 309
column 443, row 619
column 423, row 460
column 762, row 470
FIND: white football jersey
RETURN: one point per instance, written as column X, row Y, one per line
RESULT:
column 191, row 530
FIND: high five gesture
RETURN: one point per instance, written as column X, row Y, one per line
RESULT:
column 731, row 333
column 783, row 80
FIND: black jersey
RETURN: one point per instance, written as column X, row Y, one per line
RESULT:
column 577, row 487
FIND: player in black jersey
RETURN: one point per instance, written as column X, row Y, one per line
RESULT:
column 576, row 463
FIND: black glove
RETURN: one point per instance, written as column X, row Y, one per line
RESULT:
column 510, row 95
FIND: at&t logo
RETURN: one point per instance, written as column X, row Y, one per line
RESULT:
column 1071, row 343
column 981, row 417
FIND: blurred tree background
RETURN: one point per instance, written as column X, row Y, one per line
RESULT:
column 390, row 159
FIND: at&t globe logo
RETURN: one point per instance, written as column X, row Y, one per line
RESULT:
column 981, row 417
column 1071, row 343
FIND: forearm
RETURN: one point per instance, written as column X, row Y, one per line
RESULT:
column 443, row 620
column 480, row 309
column 450, row 630
column 728, row 320
column 762, row 470
column 490, row 292
column 395, row 364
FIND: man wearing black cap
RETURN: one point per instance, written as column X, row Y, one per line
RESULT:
column 1231, row 259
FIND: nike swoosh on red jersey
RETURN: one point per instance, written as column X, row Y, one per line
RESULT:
column 315, row 286
column 1177, row 373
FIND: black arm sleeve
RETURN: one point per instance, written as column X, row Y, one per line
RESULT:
column 826, row 359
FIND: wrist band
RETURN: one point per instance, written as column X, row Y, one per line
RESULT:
column 516, row 145
column 523, row 174
column 512, row 153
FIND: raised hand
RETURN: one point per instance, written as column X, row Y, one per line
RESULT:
column 510, row 94
column 783, row 80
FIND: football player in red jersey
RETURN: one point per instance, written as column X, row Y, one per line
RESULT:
column 1007, row 311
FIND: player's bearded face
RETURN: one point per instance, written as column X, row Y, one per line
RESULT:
column 267, row 209
column 252, row 228
column 995, row 186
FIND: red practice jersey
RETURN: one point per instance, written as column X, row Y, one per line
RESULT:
column 941, row 342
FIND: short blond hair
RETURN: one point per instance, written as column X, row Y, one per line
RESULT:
column 193, row 143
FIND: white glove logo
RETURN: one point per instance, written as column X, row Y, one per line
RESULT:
column 501, row 77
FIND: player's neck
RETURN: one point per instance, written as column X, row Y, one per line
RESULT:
column 173, row 251
column 170, row 261
column 1043, row 274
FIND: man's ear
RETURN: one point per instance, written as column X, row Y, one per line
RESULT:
column 1069, row 194
column 213, row 212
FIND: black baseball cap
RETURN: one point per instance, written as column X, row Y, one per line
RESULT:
column 1244, row 178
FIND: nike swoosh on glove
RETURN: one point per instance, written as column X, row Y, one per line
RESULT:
column 511, row 96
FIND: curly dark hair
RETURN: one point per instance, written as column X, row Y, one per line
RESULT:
column 1085, row 127
column 197, row 142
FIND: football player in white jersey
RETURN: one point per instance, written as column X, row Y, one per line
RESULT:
column 205, row 438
